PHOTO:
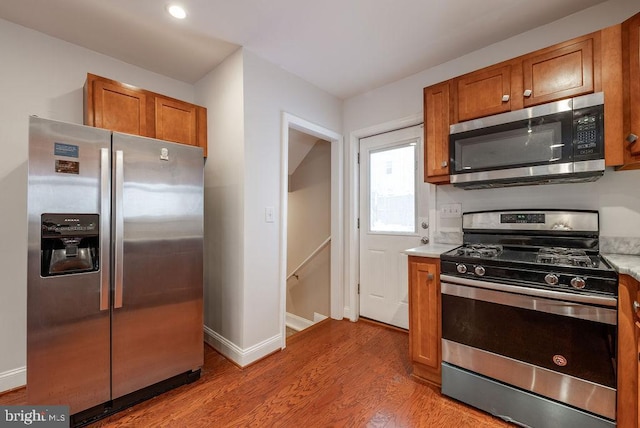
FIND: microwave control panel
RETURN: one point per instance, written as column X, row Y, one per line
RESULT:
column 588, row 131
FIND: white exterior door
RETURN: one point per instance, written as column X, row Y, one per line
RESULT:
column 389, row 213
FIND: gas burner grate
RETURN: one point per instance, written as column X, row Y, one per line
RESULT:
column 479, row 250
column 564, row 256
column 561, row 251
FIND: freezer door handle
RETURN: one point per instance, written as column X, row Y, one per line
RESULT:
column 105, row 169
column 118, row 225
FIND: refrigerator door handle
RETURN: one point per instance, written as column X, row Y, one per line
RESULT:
column 119, row 225
column 105, row 214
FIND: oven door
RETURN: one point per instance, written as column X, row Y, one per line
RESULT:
column 558, row 345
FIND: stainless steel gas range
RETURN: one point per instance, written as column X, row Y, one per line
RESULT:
column 529, row 314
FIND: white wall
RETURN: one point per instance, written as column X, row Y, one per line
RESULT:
column 268, row 92
column 613, row 195
column 221, row 91
column 245, row 98
column 43, row 76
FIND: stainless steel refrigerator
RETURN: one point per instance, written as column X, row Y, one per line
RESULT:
column 115, row 267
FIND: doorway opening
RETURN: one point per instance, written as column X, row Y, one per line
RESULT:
column 308, row 231
column 311, row 229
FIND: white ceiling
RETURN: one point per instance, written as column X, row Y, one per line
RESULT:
column 345, row 47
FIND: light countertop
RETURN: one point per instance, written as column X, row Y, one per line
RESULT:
column 625, row 264
column 431, row 250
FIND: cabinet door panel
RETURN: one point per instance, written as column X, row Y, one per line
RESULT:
column 627, row 413
column 436, row 133
column 119, row 109
column 124, row 108
column 632, row 30
column 424, row 327
column 176, row 121
column 484, row 93
column 559, row 73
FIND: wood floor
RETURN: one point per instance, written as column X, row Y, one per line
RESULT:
column 335, row 374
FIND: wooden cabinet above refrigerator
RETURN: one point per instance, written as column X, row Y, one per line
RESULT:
column 124, row 108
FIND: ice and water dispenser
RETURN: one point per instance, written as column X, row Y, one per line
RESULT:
column 69, row 244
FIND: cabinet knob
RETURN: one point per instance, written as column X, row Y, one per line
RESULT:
column 424, row 240
column 636, row 307
column 443, row 164
column 632, row 138
column 429, row 276
column 527, row 92
column 505, row 98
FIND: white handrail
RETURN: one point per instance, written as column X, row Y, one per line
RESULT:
column 308, row 259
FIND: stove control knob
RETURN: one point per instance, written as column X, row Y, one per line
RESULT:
column 461, row 268
column 551, row 279
column 479, row 270
column 578, row 283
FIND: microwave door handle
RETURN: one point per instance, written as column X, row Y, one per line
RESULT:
column 118, row 235
column 105, row 209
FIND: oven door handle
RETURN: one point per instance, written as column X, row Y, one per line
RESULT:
column 528, row 291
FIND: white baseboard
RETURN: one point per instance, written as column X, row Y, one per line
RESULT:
column 348, row 315
column 242, row 357
column 13, row 379
column 297, row 323
column 318, row 317
column 16, row 378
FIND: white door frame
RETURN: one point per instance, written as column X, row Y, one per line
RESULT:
column 337, row 213
column 352, row 266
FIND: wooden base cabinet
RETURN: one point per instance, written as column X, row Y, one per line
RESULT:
column 628, row 353
column 425, row 329
column 124, row 108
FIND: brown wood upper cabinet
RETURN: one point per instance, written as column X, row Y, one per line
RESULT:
column 124, row 108
column 565, row 70
column 568, row 69
column 561, row 71
column 436, row 131
column 631, row 92
column 483, row 93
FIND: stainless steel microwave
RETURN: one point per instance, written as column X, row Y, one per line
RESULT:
column 559, row 142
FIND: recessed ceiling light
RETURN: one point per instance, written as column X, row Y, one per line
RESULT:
column 176, row 11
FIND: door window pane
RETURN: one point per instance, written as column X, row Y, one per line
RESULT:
column 392, row 190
